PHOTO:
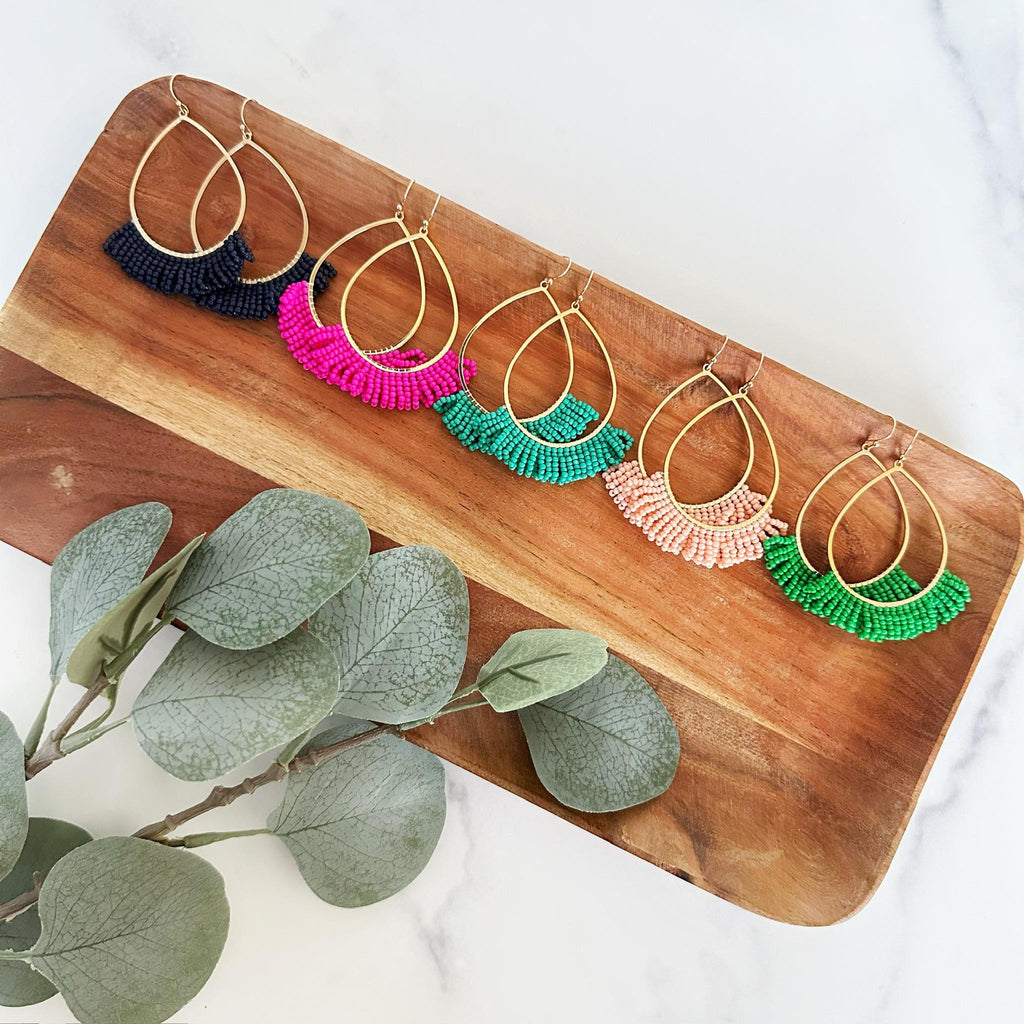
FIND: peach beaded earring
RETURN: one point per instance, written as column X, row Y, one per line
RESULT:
column 718, row 533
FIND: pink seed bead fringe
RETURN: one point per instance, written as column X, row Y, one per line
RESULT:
column 327, row 352
column 646, row 503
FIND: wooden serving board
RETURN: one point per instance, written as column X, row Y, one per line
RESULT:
column 803, row 748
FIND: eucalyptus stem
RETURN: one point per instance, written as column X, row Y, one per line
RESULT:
column 221, row 796
column 18, row 905
column 84, row 737
column 449, row 709
column 111, row 694
column 50, row 749
column 190, row 842
column 35, row 732
column 290, row 749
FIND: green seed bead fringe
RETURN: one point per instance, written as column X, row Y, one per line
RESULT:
column 823, row 595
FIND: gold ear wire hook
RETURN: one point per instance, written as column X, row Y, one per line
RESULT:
column 426, row 223
column 906, row 451
column 579, row 298
column 548, row 281
column 873, row 442
column 714, row 359
column 400, row 206
column 246, row 130
column 750, row 383
column 182, row 109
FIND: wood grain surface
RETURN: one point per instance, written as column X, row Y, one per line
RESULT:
column 804, row 749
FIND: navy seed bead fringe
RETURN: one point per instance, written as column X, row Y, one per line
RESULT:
column 259, row 300
column 178, row 275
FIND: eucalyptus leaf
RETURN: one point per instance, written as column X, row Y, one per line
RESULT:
column 128, row 618
column 13, row 798
column 131, row 930
column 268, row 567
column 48, row 840
column 207, row 709
column 399, row 631
column 363, row 823
column 539, row 663
column 606, row 745
column 96, row 569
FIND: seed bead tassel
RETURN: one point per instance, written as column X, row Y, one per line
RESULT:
column 256, row 300
column 823, row 595
column 477, row 428
column 645, row 502
column 194, row 276
column 325, row 351
column 527, row 457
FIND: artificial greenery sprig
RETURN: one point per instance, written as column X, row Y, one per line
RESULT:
column 299, row 642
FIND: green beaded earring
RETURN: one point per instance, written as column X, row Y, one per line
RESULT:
column 889, row 606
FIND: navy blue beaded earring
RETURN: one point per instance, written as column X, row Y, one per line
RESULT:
column 256, row 298
column 194, row 274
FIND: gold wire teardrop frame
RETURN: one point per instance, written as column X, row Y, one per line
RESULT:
column 183, row 118
column 542, row 288
column 247, row 140
column 865, row 450
column 398, row 219
column 709, row 374
column 683, row 510
column 411, row 239
column 561, row 317
column 889, row 474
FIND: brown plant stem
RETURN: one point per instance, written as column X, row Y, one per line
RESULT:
column 49, row 750
column 221, row 796
column 12, row 908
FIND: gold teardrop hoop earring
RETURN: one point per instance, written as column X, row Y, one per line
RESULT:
column 523, row 448
column 195, row 274
column 411, row 240
column 256, row 298
column 479, row 428
column 384, row 377
column 398, row 219
column 889, row 606
column 718, row 533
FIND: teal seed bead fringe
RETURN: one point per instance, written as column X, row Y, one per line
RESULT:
column 495, row 433
column 525, row 456
column 476, row 428
column 822, row 594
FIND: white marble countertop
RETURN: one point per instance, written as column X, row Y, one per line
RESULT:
column 838, row 184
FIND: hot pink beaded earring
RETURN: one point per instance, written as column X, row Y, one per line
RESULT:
column 718, row 533
column 381, row 377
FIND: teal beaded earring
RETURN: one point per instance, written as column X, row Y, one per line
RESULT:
column 889, row 606
column 523, row 450
column 479, row 428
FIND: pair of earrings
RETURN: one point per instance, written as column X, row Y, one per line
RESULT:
column 890, row 605
column 553, row 446
column 389, row 377
column 212, row 275
column 719, row 533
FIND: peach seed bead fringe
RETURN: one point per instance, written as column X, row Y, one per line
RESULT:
column 646, row 503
